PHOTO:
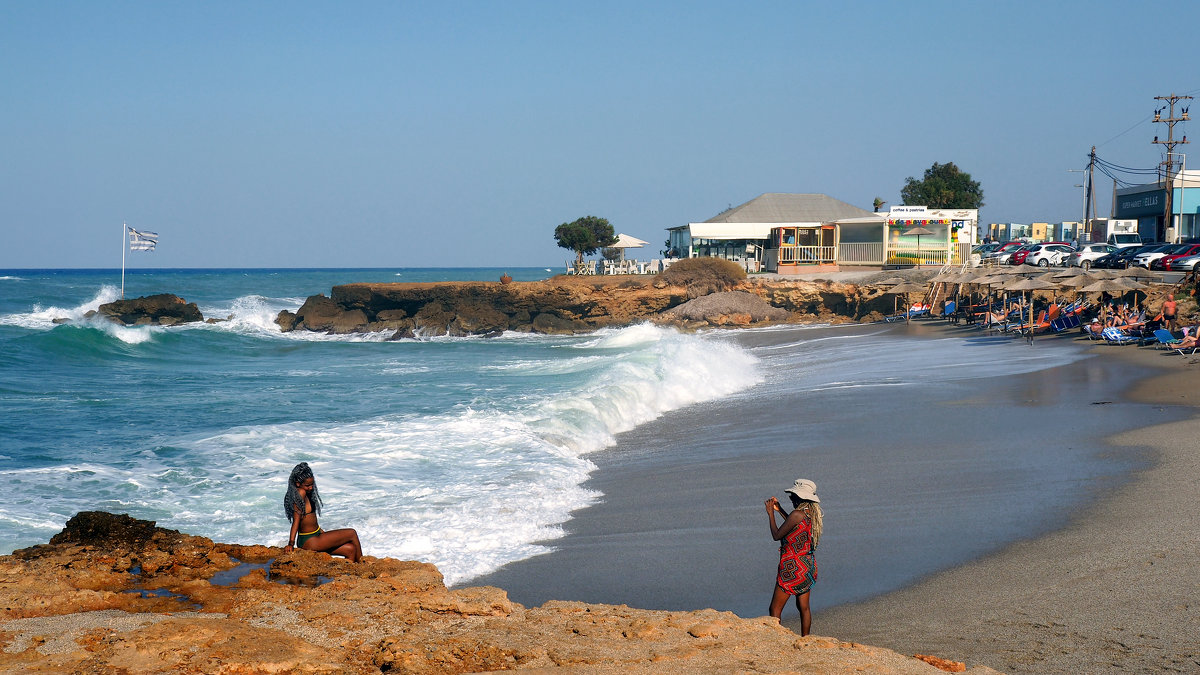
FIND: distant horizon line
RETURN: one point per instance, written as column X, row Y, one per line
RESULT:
column 162, row 269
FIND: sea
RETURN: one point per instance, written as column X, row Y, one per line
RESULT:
column 473, row 453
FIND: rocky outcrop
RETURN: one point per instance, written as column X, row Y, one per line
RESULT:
column 738, row 308
column 572, row 305
column 560, row 305
column 115, row 594
column 163, row 309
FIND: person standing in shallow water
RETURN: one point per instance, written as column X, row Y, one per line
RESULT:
column 302, row 505
column 797, row 537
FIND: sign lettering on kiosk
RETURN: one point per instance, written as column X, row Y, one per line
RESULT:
column 906, row 212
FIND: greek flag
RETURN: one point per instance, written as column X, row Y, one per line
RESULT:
column 142, row 241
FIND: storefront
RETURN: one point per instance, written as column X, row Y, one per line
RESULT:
column 916, row 235
column 796, row 246
column 1147, row 205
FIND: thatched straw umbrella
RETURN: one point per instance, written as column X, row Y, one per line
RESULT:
column 905, row 288
column 1070, row 272
column 1135, row 273
column 1030, row 285
column 1106, row 286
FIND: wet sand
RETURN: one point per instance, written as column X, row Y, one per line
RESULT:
column 684, row 530
column 1118, row 589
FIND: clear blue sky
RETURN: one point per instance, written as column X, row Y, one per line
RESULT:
column 400, row 134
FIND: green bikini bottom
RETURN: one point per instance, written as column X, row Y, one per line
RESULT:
column 303, row 537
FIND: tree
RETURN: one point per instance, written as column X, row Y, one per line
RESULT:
column 585, row 236
column 944, row 187
column 878, row 204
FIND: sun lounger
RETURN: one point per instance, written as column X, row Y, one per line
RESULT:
column 1165, row 338
column 1115, row 336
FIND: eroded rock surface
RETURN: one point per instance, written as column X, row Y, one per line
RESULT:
column 163, row 309
column 115, row 594
column 574, row 304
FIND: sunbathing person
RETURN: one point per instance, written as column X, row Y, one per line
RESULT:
column 302, row 505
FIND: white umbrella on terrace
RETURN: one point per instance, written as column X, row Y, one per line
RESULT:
column 625, row 241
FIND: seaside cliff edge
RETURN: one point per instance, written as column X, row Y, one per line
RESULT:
column 579, row 304
column 112, row 593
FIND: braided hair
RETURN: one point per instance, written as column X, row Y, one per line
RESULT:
column 815, row 517
column 292, row 501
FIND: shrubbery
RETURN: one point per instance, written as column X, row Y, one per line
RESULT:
column 702, row 276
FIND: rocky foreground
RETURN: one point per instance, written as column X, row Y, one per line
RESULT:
column 113, row 594
column 577, row 304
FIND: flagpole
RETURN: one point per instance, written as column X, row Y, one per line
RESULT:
column 124, row 233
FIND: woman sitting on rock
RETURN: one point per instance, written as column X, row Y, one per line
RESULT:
column 302, row 505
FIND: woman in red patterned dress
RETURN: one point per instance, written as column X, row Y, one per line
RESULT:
column 800, row 532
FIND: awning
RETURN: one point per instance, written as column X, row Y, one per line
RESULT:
column 740, row 230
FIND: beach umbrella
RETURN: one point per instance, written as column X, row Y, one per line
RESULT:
column 905, row 288
column 1030, row 285
column 1131, row 285
column 919, row 232
column 1070, row 272
column 1105, row 286
column 625, row 241
column 1078, row 281
column 1134, row 273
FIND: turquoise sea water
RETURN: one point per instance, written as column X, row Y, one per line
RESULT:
column 472, row 452
column 462, row 452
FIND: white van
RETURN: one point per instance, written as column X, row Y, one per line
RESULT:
column 1123, row 233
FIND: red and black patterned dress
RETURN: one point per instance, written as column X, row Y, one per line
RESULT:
column 797, row 566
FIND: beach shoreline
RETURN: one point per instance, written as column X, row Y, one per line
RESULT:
column 627, row 530
column 1116, row 588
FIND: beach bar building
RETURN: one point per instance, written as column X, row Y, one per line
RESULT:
column 792, row 233
column 775, row 231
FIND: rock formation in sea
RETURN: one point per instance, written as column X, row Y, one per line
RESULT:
column 163, row 309
column 114, row 594
column 574, row 304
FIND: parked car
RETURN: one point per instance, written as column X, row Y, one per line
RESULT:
column 980, row 250
column 1018, row 256
column 1002, row 253
column 1118, row 259
column 1047, row 254
column 1146, row 255
column 1089, row 253
column 1187, row 263
column 1179, row 251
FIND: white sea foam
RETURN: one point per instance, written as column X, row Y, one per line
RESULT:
column 470, row 488
column 42, row 317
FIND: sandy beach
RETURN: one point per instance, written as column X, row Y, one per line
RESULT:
column 1107, row 584
column 1117, row 589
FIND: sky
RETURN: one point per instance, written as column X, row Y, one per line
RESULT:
column 460, row 134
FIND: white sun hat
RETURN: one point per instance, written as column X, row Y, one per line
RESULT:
column 804, row 489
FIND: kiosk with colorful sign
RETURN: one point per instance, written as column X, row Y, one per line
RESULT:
column 918, row 235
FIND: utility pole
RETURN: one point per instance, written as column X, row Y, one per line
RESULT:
column 1169, row 163
column 1089, row 197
